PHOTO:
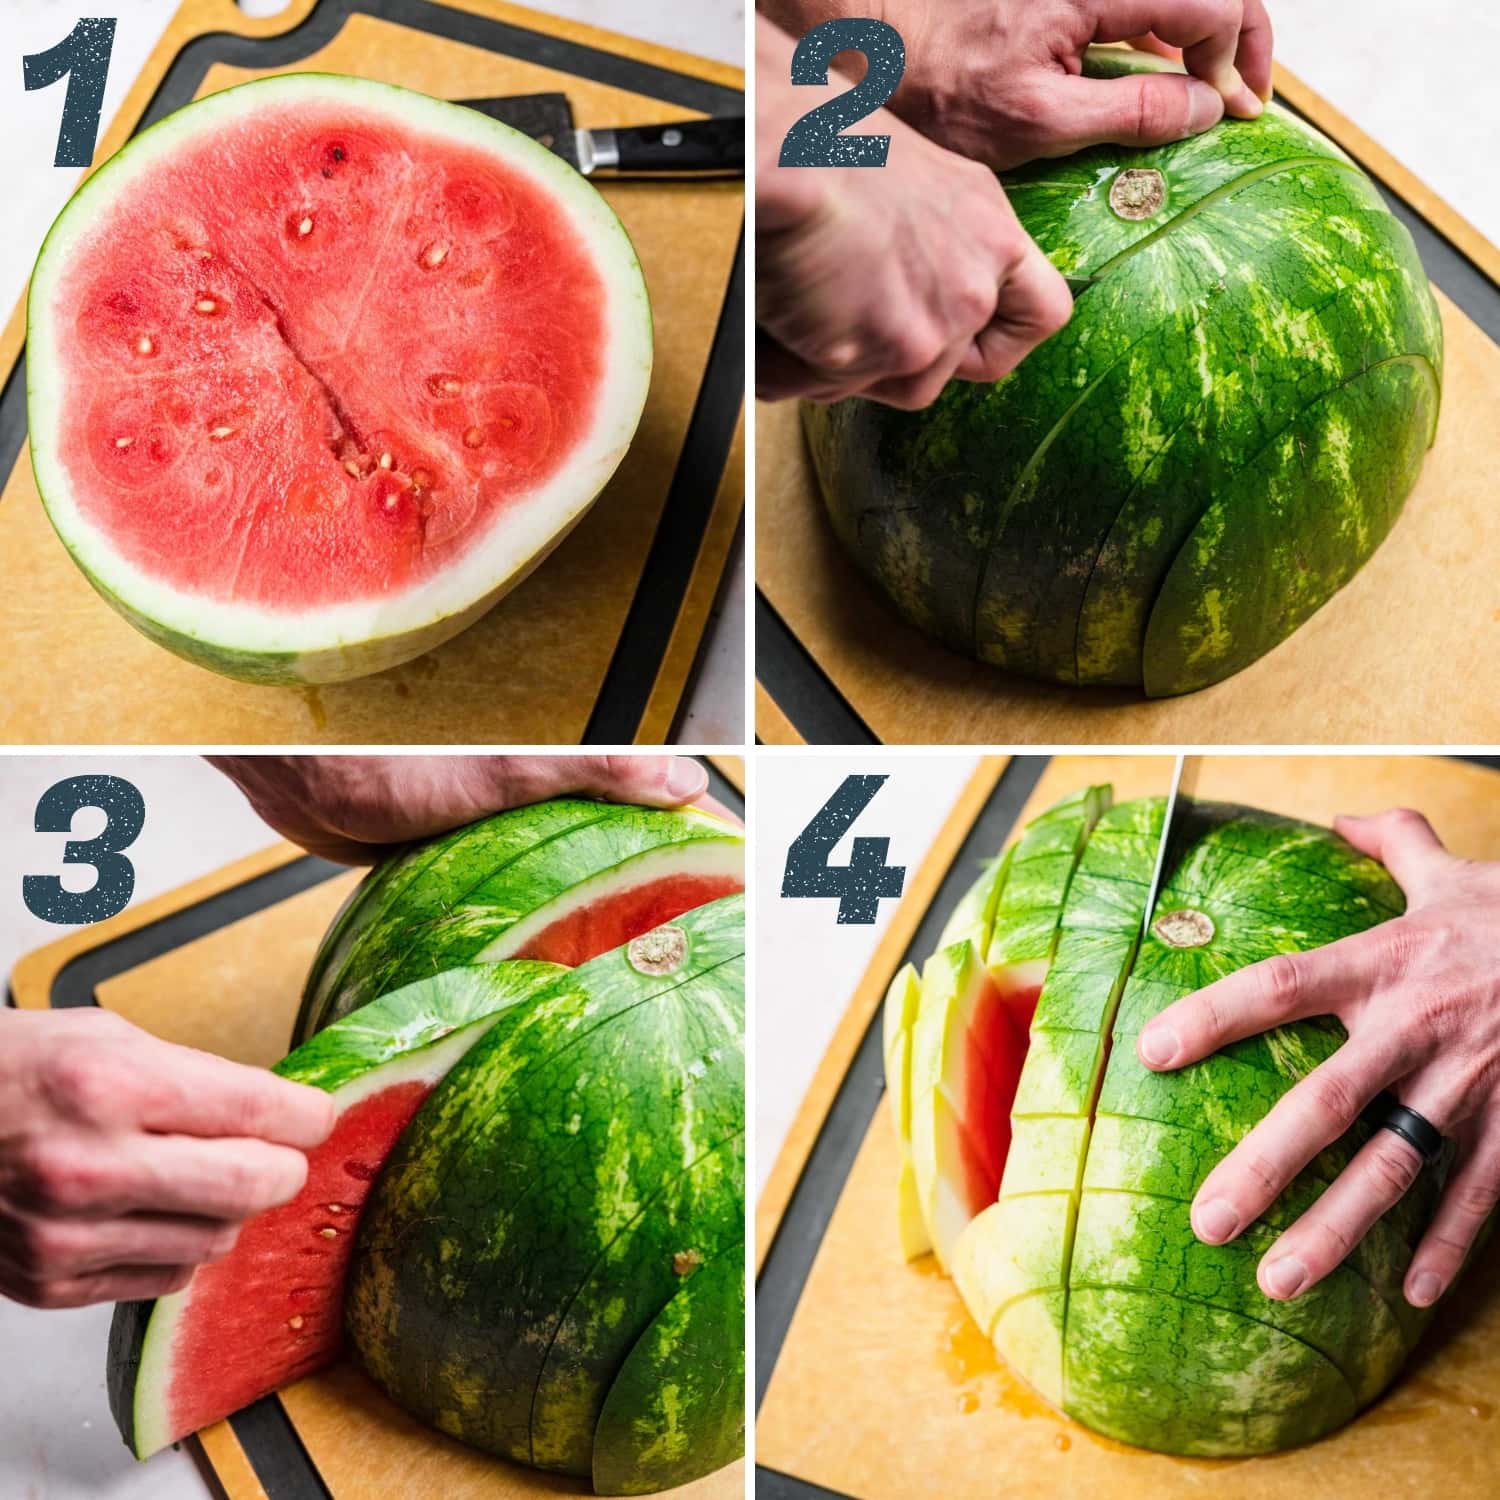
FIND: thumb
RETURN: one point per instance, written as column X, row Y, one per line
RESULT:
column 652, row 780
column 1403, row 841
column 1147, row 109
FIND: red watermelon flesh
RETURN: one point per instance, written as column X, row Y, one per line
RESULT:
column 283, row 1332
column 323, row 354
column 615, row 919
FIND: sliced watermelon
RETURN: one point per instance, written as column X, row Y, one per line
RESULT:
column 563, row 880
column 970, row 1038
column 271, row 1311
column 546, row 1202
column 318, row 368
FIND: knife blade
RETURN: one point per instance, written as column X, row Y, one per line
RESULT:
column 703, row 148
column 1079, row 284
column 1164, row 843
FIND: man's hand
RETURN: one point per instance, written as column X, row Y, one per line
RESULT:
column 887, row 282
column 1000, row 80
column 1420, row 999
column 126, row 1161
column 354, row 807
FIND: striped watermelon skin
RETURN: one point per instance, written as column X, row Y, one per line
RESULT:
column 676, row 1410
column 552, row 1194
column 1215, row 444
column 454, row 899
column 1085, row 1273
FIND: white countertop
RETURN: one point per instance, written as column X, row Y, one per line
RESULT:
column 57, row 1439
column 714, row 708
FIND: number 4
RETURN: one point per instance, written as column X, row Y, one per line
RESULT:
column 82, row 57
column 861, row 883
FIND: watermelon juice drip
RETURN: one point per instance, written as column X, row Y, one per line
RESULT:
column 286, row 1317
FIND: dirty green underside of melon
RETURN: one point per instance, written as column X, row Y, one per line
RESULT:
column 592, row 1136
column 1218, row 440
column 676, row 1410
column 1090, row 1278
column 438, row 904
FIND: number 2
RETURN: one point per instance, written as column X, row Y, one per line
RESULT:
column 815, row 139
column 125, row 814
column 82, row 57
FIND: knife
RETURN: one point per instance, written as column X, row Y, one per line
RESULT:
column 1175, row 796
column 1078, row 284
column 702, row 147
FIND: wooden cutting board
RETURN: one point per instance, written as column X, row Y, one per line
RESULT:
column 219, row 964
column 873, row 1380
column 598, row 644
column 1408, row 653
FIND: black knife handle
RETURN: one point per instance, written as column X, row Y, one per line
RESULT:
column 683, row 146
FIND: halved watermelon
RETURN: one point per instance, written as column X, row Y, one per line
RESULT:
column 319, row 368
column 272, row 1310
column 563, row 880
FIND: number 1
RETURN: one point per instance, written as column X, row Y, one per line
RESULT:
column 82, row 57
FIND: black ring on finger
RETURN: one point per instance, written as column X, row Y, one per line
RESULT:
column 1415, row 1129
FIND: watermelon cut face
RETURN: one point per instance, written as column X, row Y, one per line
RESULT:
column 1222, row 435
column 272, row 1310
column 1085, row 1272
column 319, row 368
column 564, row 881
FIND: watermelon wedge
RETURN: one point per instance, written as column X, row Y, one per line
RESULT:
column 969, row 1039
column 271, row 1311
column 319, row 368
column 563, row 881
column 550, row 1197
column 1085, row 1272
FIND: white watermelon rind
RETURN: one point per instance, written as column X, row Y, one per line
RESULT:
column 337, row 642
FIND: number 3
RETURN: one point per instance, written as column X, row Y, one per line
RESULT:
column 125, row 814
column 815, row 141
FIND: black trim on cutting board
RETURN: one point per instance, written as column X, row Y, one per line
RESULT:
column 626, row 689
column 808, row 696
column 810, row 1208
column 264, row 1430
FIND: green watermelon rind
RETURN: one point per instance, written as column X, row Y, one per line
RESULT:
column 416, row 1033
column 676, row 1410
column 354, row 639
column 1155, row 1338
column 461, row 1276
column 990, row 521
column 478, row 893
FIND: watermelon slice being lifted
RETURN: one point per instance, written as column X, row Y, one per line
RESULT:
column 319, row 368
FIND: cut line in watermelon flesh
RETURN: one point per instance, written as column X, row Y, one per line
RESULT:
column 315, row 358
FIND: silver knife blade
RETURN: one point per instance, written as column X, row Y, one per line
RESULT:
column 1077, row 284
column 1165, row 840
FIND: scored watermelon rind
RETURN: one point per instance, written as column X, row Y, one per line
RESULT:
column 333, row 643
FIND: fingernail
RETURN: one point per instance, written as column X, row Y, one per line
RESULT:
column 685, row 779
column 1426, row 1288
column 1215, row 1221
column 1205, row 106
column 1158, row 1044
column 1284, row 1277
